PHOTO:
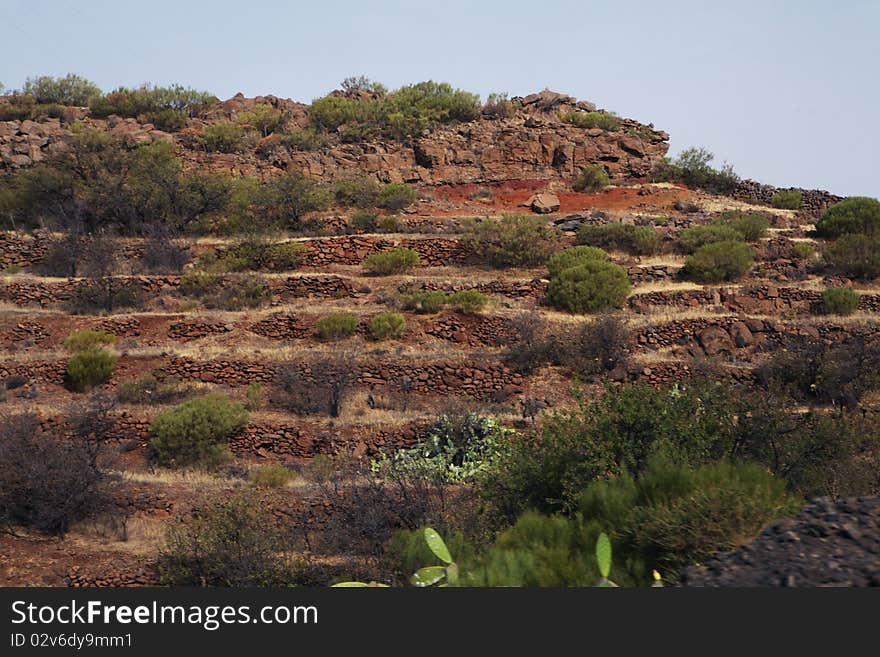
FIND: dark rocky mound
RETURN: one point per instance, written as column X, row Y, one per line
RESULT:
column 828, row 544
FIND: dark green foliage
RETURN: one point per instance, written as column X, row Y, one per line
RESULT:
column 855, row 255
column 602, row 120
column 88, row 339
column 273, row 475
column 197, row 431
column 337, row 326
column 69, row 90
column 47, row 483
column 573, row 257
column 588, row 287
column 149, row 100
column 225, row 137
column 401, row 114
column 423, row 302
column 307, row 139
column 840, row 300
column 638, row 240
column 387, row 326
column 802, row 251
column 263, row 118
column 719, row 261
column 363, row 221
column 752, row 227
column 857, row 214
column 395, row 261
column 787, row 199
column 692, row 167
column 231, row 542
column 394, row 197
column 285, row 199
column 592, row 178
column 89, row 368
column 694, row 237
column 516, row 240
column 357, row 191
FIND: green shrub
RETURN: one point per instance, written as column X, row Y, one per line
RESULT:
column 591, row 286
column 358, row 191
column 307, row 139
column 638, row 240
column 752, row 227
column 263, row 118
column 88, row 368
column 787, row 199
column 802, row 251
column 592, row 178
column 573, row 257
column 498, row 106
column 337, row 326
column 224, row 293
column 88, row 339
column 169, row 120
column 285, row 199
column 394, row 197
column 387, row 326
column 719, row 261
column 692, row 167
column 601, row 120
column 148, row 99
column 254, row 396
column 840, row 300
column 196, row 431
column 226, row 137
column 468, row 302
column 363, row 221
column 274, row 475
column 424, row 302
column 395, row 261
column 857, row 214
column 694, row 237
column 517, row 240
column 388, row 224
column 69, row 90
column 857, row 256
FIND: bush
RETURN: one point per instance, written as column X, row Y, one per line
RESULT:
column 163, row 256
column 363, row 221
column 598, row 346
column 358, row 191
column 638, row 240
column 150, row 389
column 148, row 100
column 337, row 326
column 498, row 106
column 69, row 90
column 752, row 227
column 517, row 240
column 594, row 285
column 857, row 214
column 694, row 237
column 224, row 293
column 263, row 118
column 719, row 261
column 468, row 302
column 857, row 256
column 226, row 137
column 103, row 295
column 787, row 199
column 394, row 197
column 387, row 326
column 592, row 178
column 423, row 302
column 89, row 368
column 692, row 167
column 307, row 139
column 388, row 224
column 576, row 255
column 232, row 542
column 601, row 120
column 285, row 199
column 299, row 393
column 840, row 300
column 47, row 483
column 254, row 396
column 395, row 261
column 802, row 251
column 196, row 431
column 88, row 339
column 274, row 475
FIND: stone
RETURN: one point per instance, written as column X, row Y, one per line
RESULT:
column 715, row 340
column 544, row 203
column 742, row 336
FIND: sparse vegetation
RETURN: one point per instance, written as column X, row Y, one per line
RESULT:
column 692, row 167
column 395, row 261
column 638, row 240
column 468, row 302
column 855, row 255
column 602, row 120
column 387, row 326
column 787, row 199
column 719, row 261
column 840, row 300
column 337, row 326
column 517, row 240
column 592, row 178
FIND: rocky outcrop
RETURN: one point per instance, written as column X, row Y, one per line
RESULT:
column 828, row 544
column 815, row 201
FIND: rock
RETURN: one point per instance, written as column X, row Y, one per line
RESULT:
column 715, row 340
column 544, row 203
column 742, row 336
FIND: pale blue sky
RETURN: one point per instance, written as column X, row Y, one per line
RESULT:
column 786, row 91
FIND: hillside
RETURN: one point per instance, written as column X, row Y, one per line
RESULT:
column 253, row 331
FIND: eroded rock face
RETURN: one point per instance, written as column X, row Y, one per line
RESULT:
column 532, row 143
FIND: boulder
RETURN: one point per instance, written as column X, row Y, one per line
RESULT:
column 544, row 203
column 715, row 340
column 742, row 336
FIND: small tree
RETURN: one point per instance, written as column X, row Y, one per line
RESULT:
column 196, row 431
column 855, row 255
column 263, row 118
column 857, row 214
column 394, row 197
column 840, row 300
column 573, row 257
column 69, row 90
